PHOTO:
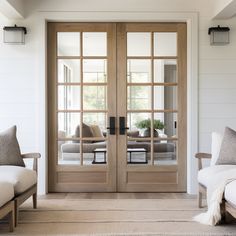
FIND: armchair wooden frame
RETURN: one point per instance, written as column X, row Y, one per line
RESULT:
column 8, row 209
column 32, row 191
column 230, row 208
column 201, row 188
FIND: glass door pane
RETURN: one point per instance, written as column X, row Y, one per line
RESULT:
column 138, row 71
column 95, row 71
column 82, row 98
column 134, row 42
column 165, row 44
column 94, row 44
column 68, row 44
column 152, row 87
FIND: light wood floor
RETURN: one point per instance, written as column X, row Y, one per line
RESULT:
column 117, row 196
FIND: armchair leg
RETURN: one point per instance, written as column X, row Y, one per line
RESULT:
column 11, row 218
column 22, row 198
column 199, row 199
column 16, row 212
column 34, row 200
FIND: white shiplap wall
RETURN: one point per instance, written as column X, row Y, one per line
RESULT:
column 19, row 99
column 22, row 90
column 217, row 82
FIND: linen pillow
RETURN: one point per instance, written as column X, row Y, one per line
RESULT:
column 9, row 148
column 96, row 131
column 216, row 141
column 86, row 132
column 227, row 154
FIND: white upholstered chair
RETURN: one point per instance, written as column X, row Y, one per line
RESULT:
column 205, row 175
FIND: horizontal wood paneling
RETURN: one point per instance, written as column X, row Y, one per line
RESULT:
column 81, row 177
column 207, row 125
column 218, row 81
column 217, row 66
column 152, row 177
column 217, row 96
column 217, row 110
column 16, row 96
column 212, row 53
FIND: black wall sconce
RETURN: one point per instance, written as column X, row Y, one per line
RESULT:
column 219, row 35
column 14, row 34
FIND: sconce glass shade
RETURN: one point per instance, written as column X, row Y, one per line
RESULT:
column 14, row 34
column 219, row 35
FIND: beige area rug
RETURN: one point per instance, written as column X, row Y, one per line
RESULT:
column 170, row 217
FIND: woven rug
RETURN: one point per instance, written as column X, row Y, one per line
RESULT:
column 108, row 217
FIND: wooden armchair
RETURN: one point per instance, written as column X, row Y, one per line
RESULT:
column 201, row 188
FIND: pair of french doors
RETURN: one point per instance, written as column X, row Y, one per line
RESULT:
column 117, row 107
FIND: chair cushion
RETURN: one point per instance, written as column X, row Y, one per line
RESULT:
column 227, row 154
column 230, row 192
column 206, row 175
column 9, row 148
column 216, row 140
column 7, row 192
column 20, row 177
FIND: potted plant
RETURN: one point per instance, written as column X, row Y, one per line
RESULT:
column 146, row 124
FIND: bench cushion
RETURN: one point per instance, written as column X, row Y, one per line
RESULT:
column 7, row 193
column 230, row 192
column 206, row 175
column 20, row 177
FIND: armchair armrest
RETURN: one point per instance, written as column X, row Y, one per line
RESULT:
column 35, row 157
column 201, row 156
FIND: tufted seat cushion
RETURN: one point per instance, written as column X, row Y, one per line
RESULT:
column 20, row 177
column 230, row 192
column 206, row 175
column 7, row 193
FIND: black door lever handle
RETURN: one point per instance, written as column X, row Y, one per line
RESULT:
column 112, row 128
column 122, row 126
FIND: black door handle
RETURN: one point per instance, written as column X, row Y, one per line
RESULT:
column 122, row 125
column 175, row 124
column 112, row 128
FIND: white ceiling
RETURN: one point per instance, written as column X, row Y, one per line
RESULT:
column 226, row 9
column 213, row 8
column 120, row 5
